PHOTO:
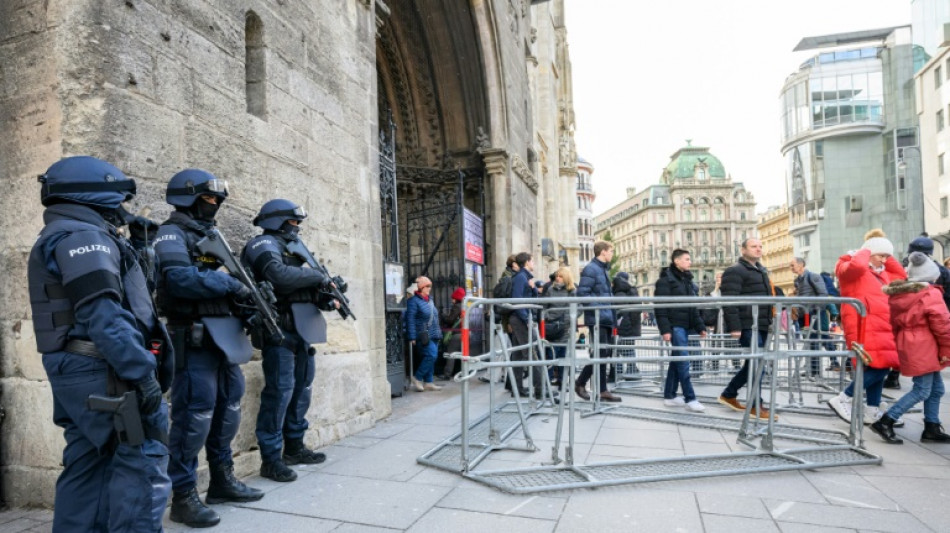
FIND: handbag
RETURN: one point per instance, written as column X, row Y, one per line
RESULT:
column 862, row 354
column 422, row 338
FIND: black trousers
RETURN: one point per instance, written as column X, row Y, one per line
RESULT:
column 606, row 334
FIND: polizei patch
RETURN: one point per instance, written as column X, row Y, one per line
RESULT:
column 88, row 249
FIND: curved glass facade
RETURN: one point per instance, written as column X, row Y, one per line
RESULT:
column 841, row 88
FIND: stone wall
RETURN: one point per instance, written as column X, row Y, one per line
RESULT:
column 155, row 87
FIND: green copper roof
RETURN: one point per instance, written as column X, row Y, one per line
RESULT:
column 683, row 163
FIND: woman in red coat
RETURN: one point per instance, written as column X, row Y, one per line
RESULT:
column 862, row 275
column 921, row 325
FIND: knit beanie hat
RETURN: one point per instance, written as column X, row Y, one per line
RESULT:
column 922, row 268
column 875, row 241
column 921, row 244
column 458, row 294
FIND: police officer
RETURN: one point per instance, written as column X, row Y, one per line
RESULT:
column 288, row 366
column 95, row 324
column 209, row 340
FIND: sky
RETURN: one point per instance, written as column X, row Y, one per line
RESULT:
column 647, row 75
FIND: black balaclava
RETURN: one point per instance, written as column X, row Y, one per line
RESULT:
column 289, row 230
column 116, row 216
column 205, row 211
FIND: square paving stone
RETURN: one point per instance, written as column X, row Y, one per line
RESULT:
column 458, row 521
column 390, row 459
column 726, row 504
column 488, row 500
column 850, row 490
column 737, row 524
column 628, row 509
column 236, row 519
column 351, row 499
column 845, row 517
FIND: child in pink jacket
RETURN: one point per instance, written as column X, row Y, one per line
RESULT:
column 921, row 326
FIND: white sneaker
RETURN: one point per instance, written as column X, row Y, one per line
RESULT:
column 416, row 384
column 873, row 414
column 695, row 406
column 841, row 405
column 899, row 423
column 675, row 402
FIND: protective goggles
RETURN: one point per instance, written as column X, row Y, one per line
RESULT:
column 110, row 185
column 216, row 186
column 298, row 213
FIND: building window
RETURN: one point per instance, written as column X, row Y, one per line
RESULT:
column 703, row 215
column 943, row 207
column 255, row 71
column 940, row 120
column 741, row 215
column 938, row 77
column 689, row 237
column 701, row 174
column 688, row 213
column 940, row 164
column 718, row 214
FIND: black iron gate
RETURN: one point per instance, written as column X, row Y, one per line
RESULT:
column 392, row 262
column 435, row 243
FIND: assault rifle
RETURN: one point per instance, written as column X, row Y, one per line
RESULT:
column 297, row 248
column 213, row 244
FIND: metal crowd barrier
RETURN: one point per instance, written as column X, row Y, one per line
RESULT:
column 773, row 367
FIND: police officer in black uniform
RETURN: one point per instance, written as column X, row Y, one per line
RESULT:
column 96, row 325
column 207, row 333
column 289, row 365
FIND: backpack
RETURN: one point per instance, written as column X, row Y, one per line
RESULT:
column 503, row 290
column 830, row 285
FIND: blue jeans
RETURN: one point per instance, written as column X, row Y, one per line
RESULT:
column 425, row 372
column 742, row 377
column 678, row 373
column 928, row 389
column 873, row 385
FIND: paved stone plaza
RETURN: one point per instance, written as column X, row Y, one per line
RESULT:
column 372, row 483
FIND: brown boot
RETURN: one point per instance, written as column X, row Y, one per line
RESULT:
column 608, row 396
column 581, row 392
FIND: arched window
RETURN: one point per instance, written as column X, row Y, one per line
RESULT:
column 687, row 201
column 701, row 174
column 704, row 201
column 255, row 71
column 718, row 200
column 703, row 215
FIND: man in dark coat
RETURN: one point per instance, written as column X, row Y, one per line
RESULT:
column 596, row 282
column 629, row 323
column 746, row 278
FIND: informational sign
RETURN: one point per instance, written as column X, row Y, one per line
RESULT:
column 473, row 230
column 395, row 286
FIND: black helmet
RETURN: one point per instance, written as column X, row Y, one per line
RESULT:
column 85, row 180
column 186, row 186
column 275, row 213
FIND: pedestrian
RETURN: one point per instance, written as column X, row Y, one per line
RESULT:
column 921, row 324
column 302, row 293
column 861, row 274
column 422, row 325
column 95, row 325
column 197, row 300
column 746, row 278
column 557, row 324
column 629, row 324
column 596, row 282
column 676, row 324
column 523, row 287
column 814, row 318
column 452, row 332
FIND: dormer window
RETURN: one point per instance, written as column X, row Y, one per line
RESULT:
column 701, row 174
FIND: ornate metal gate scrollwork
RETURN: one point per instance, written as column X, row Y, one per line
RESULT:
column 389, row 218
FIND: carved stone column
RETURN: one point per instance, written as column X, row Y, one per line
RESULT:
column 499, row 223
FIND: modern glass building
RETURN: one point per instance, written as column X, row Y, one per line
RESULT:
column 848, row 120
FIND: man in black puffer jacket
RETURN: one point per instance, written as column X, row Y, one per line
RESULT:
column 746, row 278
column 676, row 323
column 628, row 323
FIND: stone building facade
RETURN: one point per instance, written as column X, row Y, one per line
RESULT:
column 373, row 115
column 585, row 214
column 696, row 207
column 777, row 252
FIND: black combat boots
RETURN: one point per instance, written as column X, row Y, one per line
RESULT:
column 187, row 509
column 885, row 428
column 297, row 453
column 934, row 433
column 224, row 487
column 277, row 471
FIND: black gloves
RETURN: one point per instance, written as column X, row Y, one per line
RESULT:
column 149, row 395
column 242, row 292
column 340, row 283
